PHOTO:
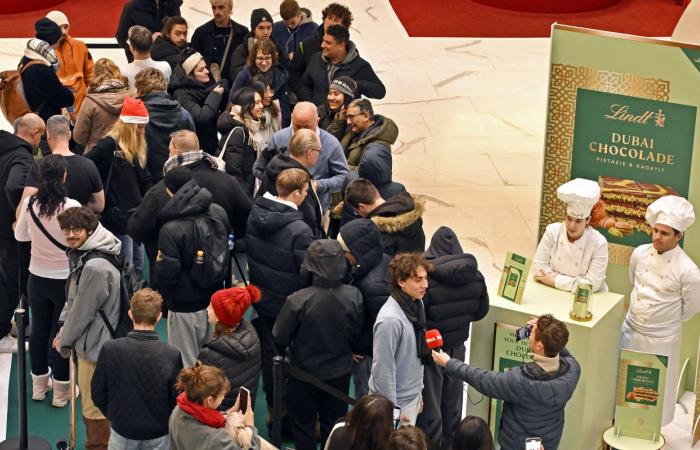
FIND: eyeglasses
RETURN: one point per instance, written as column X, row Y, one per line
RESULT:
column 352, row 116
column 68, row 231
column 314, row 150
column 263, row 59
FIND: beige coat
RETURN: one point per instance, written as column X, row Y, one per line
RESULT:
column 97, row 115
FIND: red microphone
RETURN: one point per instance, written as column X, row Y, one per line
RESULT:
column 434, row 339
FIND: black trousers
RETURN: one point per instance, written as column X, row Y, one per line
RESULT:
column 14, row 269
column 263, row 325
column 305, row 401
column 46, row 299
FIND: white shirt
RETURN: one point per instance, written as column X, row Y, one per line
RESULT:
column 666, row 291
column 132, row 69
column 586, row 258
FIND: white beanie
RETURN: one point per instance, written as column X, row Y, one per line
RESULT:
column 191, row 62
column 58, row 18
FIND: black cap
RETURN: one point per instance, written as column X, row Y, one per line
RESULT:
column 176, row 178
column 257, row 16
column 47, row 30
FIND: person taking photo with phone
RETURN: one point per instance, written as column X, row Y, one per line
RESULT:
column 534, row 394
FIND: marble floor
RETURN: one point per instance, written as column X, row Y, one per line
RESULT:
column 471, row 115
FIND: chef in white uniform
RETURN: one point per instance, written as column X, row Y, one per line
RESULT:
column 666, row 291
column 572, row 251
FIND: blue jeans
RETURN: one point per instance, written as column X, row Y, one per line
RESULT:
column 132, row 253
column 117, row 442
column 360, row 376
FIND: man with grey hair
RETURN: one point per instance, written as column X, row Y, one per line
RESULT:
column 331, row 167
column 367, row 130
column 217, row 39
column 16, row 159
column 304, row 150
column 84, row 183
column 140, row 41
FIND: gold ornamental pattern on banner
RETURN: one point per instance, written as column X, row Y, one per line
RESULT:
column 559, row 140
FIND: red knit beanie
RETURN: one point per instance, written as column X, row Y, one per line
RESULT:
column 231, row 304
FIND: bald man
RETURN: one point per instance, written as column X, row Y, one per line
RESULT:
column 330, row 169
column 16, row 159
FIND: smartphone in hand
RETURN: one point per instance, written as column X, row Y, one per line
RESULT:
column 533, row 443
column 397, row 417
column 243, row 399
column 523, row 332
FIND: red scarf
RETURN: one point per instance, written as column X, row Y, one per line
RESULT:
column 207, row 416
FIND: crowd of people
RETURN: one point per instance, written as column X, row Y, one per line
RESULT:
column 261, row 147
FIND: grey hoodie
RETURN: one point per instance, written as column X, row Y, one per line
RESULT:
column 83, row 328
column 331, row 68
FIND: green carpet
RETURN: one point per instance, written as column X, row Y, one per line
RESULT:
column 51, row 423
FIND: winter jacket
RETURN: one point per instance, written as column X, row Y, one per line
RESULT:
column 278, row 79
column 98, row 288
column 321, row 323
column 145, row 223
column 287, row 39
column 165, row 116
column 302, row 57
column 203, row 42
column 187, row 433
column 127, row 185
column 134, row 384
column 456, row 294
column 376, row 166
column 382, row 133
column 203, row 104
column 147, row 13
column 329, row 171
column 320, row 72
column 99, row 112
column 370, row 275
column 16, row 159
column 75, row 67
column 311, row 208
column 240, row 153
column 164, row 50
column 400, row 220
column 534, row 400
column 238, row 355
column 43, row 90
column 330, row 121
column 177, row 245
column 239, row 58
column 277, row 240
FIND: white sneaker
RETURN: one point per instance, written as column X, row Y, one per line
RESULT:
column 8, row 344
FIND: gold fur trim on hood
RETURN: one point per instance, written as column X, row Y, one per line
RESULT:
column 394, row 224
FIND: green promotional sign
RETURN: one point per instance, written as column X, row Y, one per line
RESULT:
column 508, row 352
column 637, row 150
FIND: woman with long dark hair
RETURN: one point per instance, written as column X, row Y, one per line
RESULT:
column 238, row 142
column 271, row 120
column 48, row 270
column 472, row 434
column 367, row 426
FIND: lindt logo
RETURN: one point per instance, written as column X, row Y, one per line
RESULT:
column 624, row 114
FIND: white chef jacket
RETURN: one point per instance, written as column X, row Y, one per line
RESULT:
column 586, row 258
column 666, row 292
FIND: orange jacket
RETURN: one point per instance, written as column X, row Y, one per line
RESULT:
column 76, row 68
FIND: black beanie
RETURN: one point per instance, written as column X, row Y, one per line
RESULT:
column 47, row 30
column 257, row 16
column 345, row 85
column 176, row 178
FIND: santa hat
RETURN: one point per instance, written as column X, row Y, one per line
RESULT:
column 231, row 304
column 134, row 111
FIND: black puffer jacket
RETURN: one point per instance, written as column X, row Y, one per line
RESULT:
column 400, row 220
column 147, row 13
column 370, row 276
column 376, row 166
column 165, row 116
column 164, row 50
column 203, row 104
column 310, row 209
column 277, row 240
column 240, row 154
column 457, row 292
column 238, row 355
column 134, row 384
column 177, row 246
column 15, row 162
column 321, row 323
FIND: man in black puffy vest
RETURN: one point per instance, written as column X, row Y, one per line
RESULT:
column 456, row 297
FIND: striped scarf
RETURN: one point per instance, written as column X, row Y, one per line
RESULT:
column 41, row 50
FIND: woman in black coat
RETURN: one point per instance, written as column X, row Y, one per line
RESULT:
column 332, row 113
column 235, row 347
column 238, row 145
column 192, row 86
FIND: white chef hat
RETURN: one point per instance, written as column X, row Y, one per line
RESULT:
column 580, row 196
column 676, row 212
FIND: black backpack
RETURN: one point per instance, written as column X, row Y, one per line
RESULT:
column 209, row 269
column 129, row 283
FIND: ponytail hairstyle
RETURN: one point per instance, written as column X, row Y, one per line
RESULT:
column 52, row 187
column 200, row 382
